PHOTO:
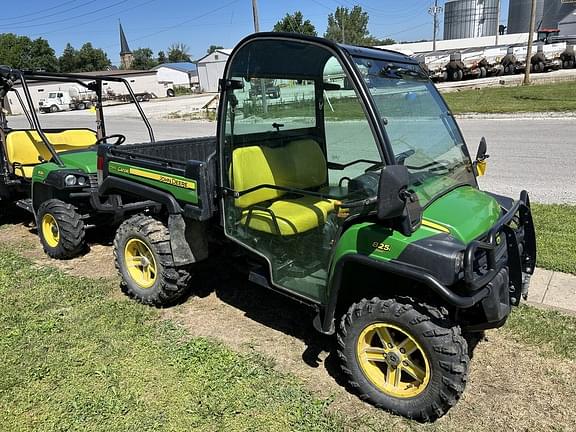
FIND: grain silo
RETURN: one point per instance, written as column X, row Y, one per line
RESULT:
column 470, row 18
column 519, row 15
column 560, row 15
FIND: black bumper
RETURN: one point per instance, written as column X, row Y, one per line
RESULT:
column 510, row 260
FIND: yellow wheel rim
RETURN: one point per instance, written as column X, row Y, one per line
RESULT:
column 392, row 360
column 50, row 230
column 140, row 263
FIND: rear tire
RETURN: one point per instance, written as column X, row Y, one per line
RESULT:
column 483, row 72
column 61, row 229
column 144, row 259
column 424, row 360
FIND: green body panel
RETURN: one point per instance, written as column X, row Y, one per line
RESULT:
column 466, row 211
column 85, row 161
column 376, row 241
column 182, row 188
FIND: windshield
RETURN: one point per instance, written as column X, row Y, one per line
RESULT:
column 422, row 132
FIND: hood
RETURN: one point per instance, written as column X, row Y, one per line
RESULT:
column 466, row 212
column 85, row 160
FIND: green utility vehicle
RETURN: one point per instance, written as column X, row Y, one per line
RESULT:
column 52, row 172
column 354, row 194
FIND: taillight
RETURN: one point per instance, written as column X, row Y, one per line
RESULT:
column 100, row 169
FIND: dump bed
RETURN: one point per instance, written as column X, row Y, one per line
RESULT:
column 184, row 169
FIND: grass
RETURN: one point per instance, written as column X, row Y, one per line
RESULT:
column 551, row 330
column 556, row 236
column 73, row 357
column 535, row 98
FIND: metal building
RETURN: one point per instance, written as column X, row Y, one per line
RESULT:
column 470, row 18
column 211, row 69
column 561, row 15
column 519, row 15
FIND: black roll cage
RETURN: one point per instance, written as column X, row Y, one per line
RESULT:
column 11, row 77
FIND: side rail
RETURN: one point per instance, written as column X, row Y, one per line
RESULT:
column 184, row 189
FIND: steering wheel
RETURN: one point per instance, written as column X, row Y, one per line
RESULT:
column 365, row 202
column 401, row 157
column 375, row 167
column 120, row 139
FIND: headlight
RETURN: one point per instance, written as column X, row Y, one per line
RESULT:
column 70, row 180
column 81, row 181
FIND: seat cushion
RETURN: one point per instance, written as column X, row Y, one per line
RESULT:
column 294, row 216
column 25, row 146
column 300, row 164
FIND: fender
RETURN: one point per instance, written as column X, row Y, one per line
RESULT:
column 181, row 250
column 121, row 185
column 325, row 320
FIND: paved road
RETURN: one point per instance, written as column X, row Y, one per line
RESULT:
column 534, row 154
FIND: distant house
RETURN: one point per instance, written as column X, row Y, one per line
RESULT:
column 183, row 74
column 211, row 69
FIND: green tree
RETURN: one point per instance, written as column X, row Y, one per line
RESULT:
column 179, row 52
column 162, row 57
column 68, row 61
column 213, row 48
column 295, row 23
column 92, row 59
column 373, row 41
column 349, row 26
column 23, row 53
column 143, row 59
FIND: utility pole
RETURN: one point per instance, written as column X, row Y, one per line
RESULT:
column 255, row 15
column 435, row 11
column 497, row 23
column 342, row 19
column 257, row 30
column 530, row 43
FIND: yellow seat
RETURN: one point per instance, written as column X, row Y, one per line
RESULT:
column 293, row 216
column 300, row 164
column 25, row 147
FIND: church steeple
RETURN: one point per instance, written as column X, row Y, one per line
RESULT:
column 126, row 57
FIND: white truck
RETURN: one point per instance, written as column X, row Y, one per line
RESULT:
column 71, row 98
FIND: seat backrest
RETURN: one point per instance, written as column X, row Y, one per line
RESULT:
column 299, row 165
column 25, row 147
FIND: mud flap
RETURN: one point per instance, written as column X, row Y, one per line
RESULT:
column 187, row 240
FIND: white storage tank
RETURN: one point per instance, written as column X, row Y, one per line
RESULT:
column 470, row 18
column 519, row 15
column 561, row 15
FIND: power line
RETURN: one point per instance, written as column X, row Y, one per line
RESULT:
column 186, row 21
column 85, row 23
column 77, row 16
column 38, row 11
column 49, row 15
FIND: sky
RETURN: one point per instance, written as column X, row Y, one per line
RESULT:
column 156, row 24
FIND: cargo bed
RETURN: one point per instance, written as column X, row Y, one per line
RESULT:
column 185, row 169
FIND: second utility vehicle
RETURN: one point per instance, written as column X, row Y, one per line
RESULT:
column 51, row 172
column 354, row 194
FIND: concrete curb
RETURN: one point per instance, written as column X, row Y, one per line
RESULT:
column 554, row 115
column 553, row 290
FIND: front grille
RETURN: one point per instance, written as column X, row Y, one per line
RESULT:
column 93, row 181
column 481, row 255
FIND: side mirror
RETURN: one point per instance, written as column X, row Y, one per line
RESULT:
column 396, row 204
column 480, row 164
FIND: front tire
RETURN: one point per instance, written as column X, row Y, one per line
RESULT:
column 61, row 229
column 144, row 259
column 403, row 357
